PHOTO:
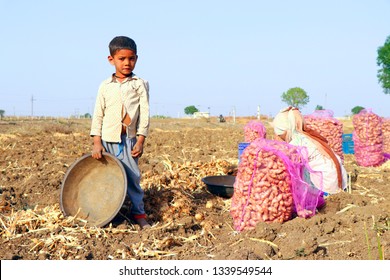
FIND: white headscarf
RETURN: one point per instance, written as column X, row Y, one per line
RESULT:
column 288, row 120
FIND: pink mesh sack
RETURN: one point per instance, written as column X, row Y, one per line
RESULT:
column 386, row 135
column 368, row 138
column 254, row 130
column 323, row 122
column 270, row 185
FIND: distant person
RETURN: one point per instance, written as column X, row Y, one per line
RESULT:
column 221, row 119
column 120, row 121
column 289, row 125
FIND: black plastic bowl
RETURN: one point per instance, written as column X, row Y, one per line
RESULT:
column 221, row 185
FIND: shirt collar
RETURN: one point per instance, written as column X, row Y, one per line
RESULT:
column 112, row 79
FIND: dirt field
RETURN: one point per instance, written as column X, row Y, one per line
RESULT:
column 189, row 223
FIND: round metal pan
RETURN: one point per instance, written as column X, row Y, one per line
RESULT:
column 94, row 190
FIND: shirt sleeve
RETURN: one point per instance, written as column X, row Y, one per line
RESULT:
column 97, row 119
column 144, row 118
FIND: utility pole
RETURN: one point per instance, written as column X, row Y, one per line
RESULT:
column 32, row 106
column 234, row 114
column 258, row 112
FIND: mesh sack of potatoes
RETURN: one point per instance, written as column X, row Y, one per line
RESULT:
column 323, row 122
column 386, row 135
column 269, row 185
column 254, row 130
column 368, row 138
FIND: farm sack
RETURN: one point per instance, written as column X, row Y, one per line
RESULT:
column 254, row 130
column 270, row 185
column 323, row 122
column 368, row 138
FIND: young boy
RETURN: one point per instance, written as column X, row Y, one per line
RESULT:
column 120, row 121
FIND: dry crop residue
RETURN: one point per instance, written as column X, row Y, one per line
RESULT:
column 189, row 223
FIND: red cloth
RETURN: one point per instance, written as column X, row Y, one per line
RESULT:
column 139, row 216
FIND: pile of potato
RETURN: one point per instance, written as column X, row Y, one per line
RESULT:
column 386, row 135
column 267, row 174
column 328, row 127
column 368, row 138
column 254, row 130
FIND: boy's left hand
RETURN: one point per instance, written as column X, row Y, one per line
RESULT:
column 137, row 150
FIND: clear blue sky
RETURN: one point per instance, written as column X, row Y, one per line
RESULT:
column 216, row 55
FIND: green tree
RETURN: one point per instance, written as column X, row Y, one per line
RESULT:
column 87, row 116
column 190, row 110
column 356, row 110
column 295, row 97
column 2, row 112
column 319, row 107
column 383, row 61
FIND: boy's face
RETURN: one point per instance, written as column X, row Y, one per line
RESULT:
column 124, row 61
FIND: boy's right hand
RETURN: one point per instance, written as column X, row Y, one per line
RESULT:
column 98, row 148
column 97, row 151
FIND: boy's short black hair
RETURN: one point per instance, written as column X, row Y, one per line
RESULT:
column 120, row 43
